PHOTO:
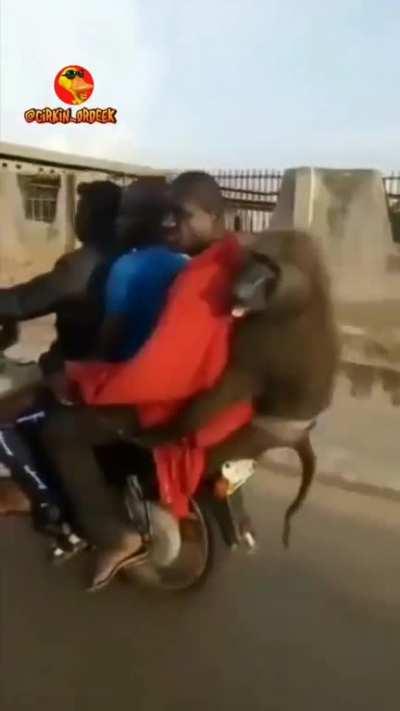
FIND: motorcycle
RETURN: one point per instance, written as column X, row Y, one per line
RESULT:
column 182, row 553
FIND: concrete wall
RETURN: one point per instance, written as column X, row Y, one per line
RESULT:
column 347, row 212
column 28, row 247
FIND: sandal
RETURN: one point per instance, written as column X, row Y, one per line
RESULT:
column 137, row 558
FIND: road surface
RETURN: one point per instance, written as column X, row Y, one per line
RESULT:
column 356, row 441
column 315, row 628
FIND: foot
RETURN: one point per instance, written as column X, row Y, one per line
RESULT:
column 67, row 546
column 109, row 562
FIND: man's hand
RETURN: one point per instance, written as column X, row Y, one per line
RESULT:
column 233, row 387
column 173, row 431
column 61, row 389
column 156, row 436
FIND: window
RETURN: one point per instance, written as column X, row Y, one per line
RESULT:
column 40, row 197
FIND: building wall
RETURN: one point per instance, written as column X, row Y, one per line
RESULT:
column 29, row 247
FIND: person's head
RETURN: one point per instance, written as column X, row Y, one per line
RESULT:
column 199, row 209
column 142, row 216
column 96, row 213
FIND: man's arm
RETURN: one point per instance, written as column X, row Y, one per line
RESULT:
column 52, row 361
column 233, row 387
column 41, row 295
column 111, row 336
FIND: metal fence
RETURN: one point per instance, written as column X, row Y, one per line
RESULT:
column 252, row 195
column 392, row 186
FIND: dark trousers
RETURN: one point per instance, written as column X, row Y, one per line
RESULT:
column 21, row 452
column 70, row 435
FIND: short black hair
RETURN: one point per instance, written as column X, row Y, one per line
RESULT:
column 99, row 202
column 104, row 194
column 200, row 187
column 143, row 208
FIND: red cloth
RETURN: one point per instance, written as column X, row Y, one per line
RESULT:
column 185, row 355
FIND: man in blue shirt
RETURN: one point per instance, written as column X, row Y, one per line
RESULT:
column 135, row 295
column 137, row 284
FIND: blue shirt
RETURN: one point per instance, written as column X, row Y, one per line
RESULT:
column 137, row 288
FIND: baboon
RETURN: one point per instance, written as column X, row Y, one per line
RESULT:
column 284, row 350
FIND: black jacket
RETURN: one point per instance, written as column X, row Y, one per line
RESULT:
column 63, row 291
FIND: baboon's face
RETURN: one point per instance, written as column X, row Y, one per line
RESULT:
column 253, row 287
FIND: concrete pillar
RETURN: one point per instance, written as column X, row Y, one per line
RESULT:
column 347, row 213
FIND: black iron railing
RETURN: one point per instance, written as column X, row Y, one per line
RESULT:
column 252, row 195
column 259, row 190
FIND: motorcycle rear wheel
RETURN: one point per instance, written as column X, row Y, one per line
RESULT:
column 200, row 543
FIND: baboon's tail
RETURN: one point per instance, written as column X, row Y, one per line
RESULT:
column 307, row 458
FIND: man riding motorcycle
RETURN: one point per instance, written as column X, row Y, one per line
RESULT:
column 76, row 293
column 60, row 291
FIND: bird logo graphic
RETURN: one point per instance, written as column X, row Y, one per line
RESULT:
column 73, row 84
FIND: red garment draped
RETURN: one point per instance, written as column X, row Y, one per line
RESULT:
column 185, row 355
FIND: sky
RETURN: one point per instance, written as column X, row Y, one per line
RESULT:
column 213, row 84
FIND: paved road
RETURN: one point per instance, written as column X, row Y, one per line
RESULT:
column 315, row 628
column 356, row 441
